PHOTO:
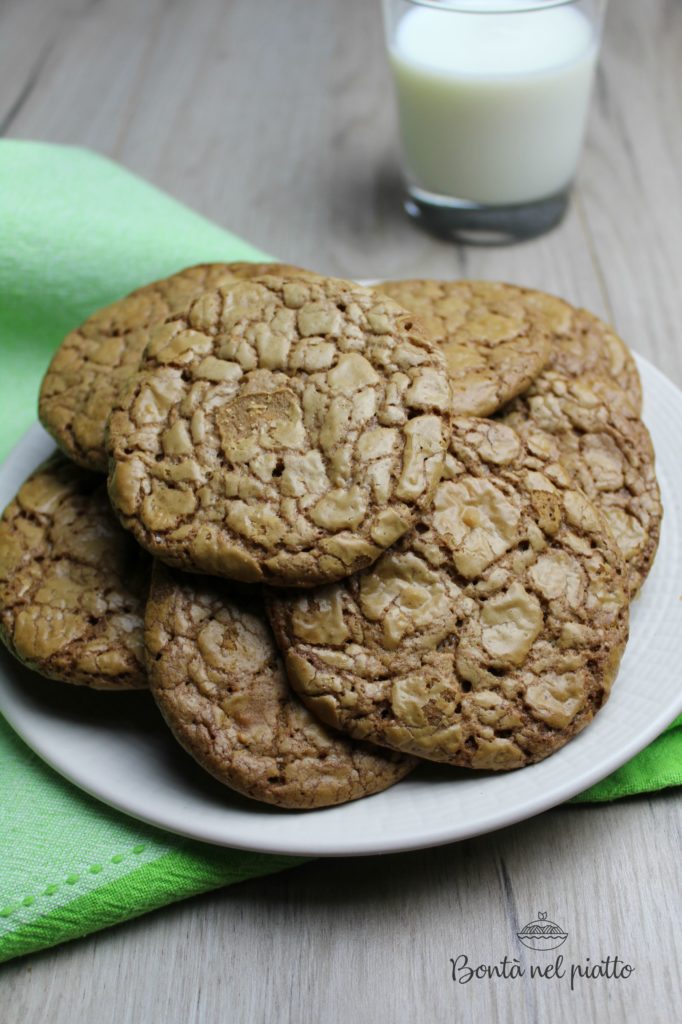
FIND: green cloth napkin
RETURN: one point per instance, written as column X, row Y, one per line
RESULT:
column 77, row 231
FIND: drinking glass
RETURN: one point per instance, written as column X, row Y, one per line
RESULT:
column 492, row 100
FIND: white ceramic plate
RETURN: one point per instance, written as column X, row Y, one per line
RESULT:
column 116, row 747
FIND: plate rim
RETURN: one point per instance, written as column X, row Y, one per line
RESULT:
column 425, row 838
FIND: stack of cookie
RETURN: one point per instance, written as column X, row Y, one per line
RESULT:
column 343, row 528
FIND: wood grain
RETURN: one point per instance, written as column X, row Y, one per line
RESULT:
column 276, row 120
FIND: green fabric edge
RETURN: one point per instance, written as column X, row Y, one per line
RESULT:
column 657, row 767
column 173, row 877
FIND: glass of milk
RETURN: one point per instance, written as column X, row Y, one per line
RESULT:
column 492, row 102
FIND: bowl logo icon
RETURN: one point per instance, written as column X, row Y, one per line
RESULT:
column 542, row 934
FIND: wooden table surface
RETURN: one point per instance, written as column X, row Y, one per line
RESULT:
column 276, row 120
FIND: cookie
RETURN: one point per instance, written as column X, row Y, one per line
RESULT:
column 607, row 453
column 79, row 386
column 494, row 343
column 219, row 681
column 72, row 582
column 489, row 635
column 285, row 430
column 495, row 338
column 586, row 347
column 246, row 270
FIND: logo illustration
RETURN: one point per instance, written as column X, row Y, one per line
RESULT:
column 542, row 934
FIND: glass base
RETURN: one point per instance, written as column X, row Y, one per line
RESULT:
column 476, row 224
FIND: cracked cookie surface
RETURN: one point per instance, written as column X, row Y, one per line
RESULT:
column 72, row 582
column 494, row 343
column 80, row 384
column 607, row 453
column 285, row 430
column 487, row 636
column 583, row 346
column 492, row 335
column 218, row 679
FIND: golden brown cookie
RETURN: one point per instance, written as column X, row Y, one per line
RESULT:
column 586, row 347
column 494, row 343
column 246, row 270
column 285, row 430
column 609, row 455
column 494, row 335
column 218, row 679
column 79, row 386
column 489, row 635
column 72, row 582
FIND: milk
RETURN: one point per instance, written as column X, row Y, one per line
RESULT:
column 492, row 107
